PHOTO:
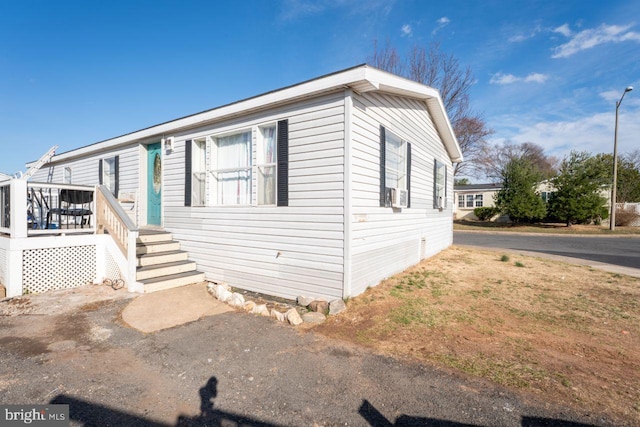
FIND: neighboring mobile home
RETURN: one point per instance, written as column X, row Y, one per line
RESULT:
column 468, row 197
column 322, row 188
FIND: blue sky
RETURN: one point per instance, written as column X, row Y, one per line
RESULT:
column 77, row 72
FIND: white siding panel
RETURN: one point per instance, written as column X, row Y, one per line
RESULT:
column 284, row 251
column 386, row 241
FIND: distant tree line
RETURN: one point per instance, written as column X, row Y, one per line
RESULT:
column 580, row 184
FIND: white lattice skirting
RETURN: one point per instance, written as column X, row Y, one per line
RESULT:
column 58, row 268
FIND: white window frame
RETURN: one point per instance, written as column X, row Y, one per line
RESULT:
column 461, row 201
column 199, row 172
column 67, row 175
column 216, row 197
column 395, row 161
column 470, row 200
column 479, row 199
column 109, row 173
column 440, row 185
column 262, row 164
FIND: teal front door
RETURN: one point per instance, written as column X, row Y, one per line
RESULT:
column 154, row 184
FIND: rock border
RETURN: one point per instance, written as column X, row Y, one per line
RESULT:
column 312, row 310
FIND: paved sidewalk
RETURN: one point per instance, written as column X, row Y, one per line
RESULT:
column 173, row 307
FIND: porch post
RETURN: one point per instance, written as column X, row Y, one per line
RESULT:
column 18, row 203
column 14, row 270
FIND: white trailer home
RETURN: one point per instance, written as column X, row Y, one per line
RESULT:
column 322, row 188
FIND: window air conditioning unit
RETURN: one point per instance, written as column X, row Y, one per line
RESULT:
column 399, row 198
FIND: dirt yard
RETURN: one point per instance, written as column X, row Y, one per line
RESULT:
column 567, row 333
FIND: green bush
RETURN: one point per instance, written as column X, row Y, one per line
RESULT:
column 485, row 213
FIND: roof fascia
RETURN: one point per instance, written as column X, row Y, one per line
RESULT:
column 361, row 78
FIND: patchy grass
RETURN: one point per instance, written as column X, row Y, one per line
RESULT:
column 551, row 228
column 568, row 333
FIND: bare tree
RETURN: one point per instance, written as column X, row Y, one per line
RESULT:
column 493, row 159
column 432, row 67
column 633, row 157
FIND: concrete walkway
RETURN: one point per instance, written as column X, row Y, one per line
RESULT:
column 173, row 307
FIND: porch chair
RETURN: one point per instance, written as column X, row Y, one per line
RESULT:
column 72, row 204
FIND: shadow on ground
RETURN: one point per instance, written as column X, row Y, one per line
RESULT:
column 93, row 414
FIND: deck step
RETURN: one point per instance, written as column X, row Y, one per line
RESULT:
column 161, row 258
column 157, row 247
column 164, row 269
column 153, row 236
column 172, row 281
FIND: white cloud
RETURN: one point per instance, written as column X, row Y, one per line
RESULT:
column 506, row 79
column 406, row 30
column 503, row 79
column 525, row 36
column 295, row 9
column 592, row 133
column 563, row 29
column 587, row 39
column 536, row 78
column 442, row 22
column 613, row 96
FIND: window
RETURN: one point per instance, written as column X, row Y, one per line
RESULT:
column 108, row 173
column 470, row 200
column 395, row 162
column 395, row 167
column 440, row 186
column 231, row 172
column 66, row 175
column 266, row 165
column 199, row 173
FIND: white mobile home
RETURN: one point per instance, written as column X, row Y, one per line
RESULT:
column 322, row 188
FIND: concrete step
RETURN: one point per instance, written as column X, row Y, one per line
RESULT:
column 152, row 236
column 161, row 258
column 156, row 247
column 172, row 281
column 164, row 269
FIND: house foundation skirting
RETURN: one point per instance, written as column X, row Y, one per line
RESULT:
column 41, row 264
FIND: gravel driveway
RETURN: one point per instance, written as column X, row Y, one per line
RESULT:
column 232, row 369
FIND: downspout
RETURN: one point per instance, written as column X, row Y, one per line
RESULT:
column 347, row 180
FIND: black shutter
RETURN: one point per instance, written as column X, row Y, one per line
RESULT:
column 408, row 175
column 116, row 163
column 446, row 178
column 100, row 172
column 383, row 156
column 187, row 172
column 283, row 163
column 435, row 184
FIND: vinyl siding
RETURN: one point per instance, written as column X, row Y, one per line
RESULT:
column 284, row 251
column 386, row 241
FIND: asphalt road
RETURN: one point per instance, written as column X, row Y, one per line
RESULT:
column 617, row 251
column 238, row 369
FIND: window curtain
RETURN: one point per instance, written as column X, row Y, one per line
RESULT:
column 233, row 162
column 267, row 173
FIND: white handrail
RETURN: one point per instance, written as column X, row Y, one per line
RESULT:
column 114, row 220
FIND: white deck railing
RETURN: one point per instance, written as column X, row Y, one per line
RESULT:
column 39, row 208
column 30, row 212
